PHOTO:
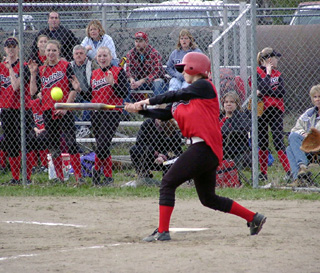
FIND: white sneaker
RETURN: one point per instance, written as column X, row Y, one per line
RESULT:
column 132, row 183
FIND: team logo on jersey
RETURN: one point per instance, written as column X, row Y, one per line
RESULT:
column 98, row 84
column 5, row 81
column 176, row 104
column 52, row 79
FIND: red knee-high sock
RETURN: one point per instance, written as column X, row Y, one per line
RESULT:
column 43, row 158
column 284, row 160
column 3, row 159
column 241, row 211
column 76, row 164
column 57, row 162
column 164, row 218
column 15, row 166
column 31, row 161
column 107, row 167
column 263, row 160
column 97, row 163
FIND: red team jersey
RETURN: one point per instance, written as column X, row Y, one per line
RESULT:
column 274, row 79
column 200, row 118
column 52, row 76
column 102, row 91
column 37, row 113
column 8, row 97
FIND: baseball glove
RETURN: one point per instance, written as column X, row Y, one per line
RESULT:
column 311, row 143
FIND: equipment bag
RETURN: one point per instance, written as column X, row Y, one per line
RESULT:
column 227, row 175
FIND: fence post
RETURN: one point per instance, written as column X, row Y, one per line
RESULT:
column 214, row 51
column 22, row 98
column 243, row 47
column 254, row 97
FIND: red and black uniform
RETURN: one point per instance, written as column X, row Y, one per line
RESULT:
column 11, row 117
column 196, row 110
column 40, row 141
column 52, row 76
column 105, row 123
column 272, row 92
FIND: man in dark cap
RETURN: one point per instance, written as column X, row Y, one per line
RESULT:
column 144, row 66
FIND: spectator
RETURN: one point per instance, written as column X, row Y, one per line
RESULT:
column 185, row 44
column 271, row 90
column 157, row 141
column 39, row 56
column 97, row 37
column 235, row 126
column 83, row 68
column 10, row 109
column 297, row 158
column 109, row 85
column 57, row 73
column 55, row 31
column 144, row 67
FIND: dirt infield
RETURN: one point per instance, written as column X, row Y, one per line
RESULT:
column 104, row 235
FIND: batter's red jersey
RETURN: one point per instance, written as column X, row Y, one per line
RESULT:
column 37, row 113
column 8, row 97
column 102, row 91
column 52, row 76
column 200, row 118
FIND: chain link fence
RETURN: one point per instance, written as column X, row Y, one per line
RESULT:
column 128, row 149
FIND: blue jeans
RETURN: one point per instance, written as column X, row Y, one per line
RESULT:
column 175, row 84
column 296, row 157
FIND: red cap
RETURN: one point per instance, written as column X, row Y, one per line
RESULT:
column 141, row 35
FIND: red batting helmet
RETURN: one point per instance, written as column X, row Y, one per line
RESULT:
column 194, row 63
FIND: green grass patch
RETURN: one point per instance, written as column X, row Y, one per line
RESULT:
column 245, row 193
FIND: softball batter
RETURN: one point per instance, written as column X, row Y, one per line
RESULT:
column 196, row 110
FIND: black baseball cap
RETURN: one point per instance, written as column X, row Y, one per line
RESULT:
column 11, row 41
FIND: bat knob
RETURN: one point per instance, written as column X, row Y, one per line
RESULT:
column 144, row 107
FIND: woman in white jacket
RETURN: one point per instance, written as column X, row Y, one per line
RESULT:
column 310, row 118
column 97, row 37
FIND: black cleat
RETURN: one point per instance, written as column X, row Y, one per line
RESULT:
column 256, row 224
column 157, row 236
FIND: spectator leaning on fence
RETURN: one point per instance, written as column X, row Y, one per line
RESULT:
column 144, row 66
column 57, row 73
column 271, row 90
column 55, row 31
column 10, row 109
column 185, row 44
column 97, row 37
column 39, row 56
column 297, row 158
column 109, row 85
column 157, row 141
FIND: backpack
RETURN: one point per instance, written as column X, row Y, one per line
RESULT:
column 227, row 175
column 87, row 162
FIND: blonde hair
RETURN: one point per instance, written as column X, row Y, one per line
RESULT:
column 42, row 36
column 104, row 48
column 234, row 96
column 263, row 54
column 314, row 90
column 185, row 32
column 98, row 25
column 53, row 42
